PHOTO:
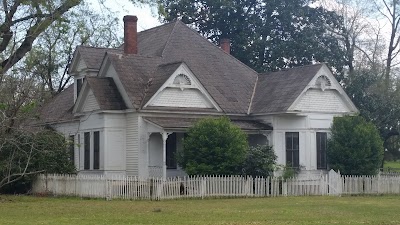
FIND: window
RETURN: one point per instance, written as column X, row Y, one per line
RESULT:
column 86, row 156
column 79, row 83
column 72, row 148
column 171, row 151
column 321, row 150
column 292, row 149
column 79, row 150
column 96, row 150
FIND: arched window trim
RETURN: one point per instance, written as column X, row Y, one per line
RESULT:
column 323, row 82
column 182, row 81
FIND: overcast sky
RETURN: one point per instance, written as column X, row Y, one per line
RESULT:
column 147, row 17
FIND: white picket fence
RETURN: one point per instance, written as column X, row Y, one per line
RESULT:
column 126, row 187
column 371, row 184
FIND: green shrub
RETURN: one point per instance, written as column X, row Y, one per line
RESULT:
column 355, row 147
column 260, row 161
column 213, row 146
column 23, row 154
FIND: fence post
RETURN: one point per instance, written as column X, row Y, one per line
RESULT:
column 339, row 184
column 203, row 187
column 108, row 189
column 284, row 187
column 379, row 183
column 247, row 186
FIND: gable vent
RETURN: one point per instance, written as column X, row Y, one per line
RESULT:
column 323, row 82
column 182, row 79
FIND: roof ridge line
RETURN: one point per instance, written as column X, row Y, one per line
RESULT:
column 169, row 38
column 133, row 55
column 267, row 73
column 85, row 46
column 215, row 46
column 156, row 27
column 252, row 96
column 171, row 63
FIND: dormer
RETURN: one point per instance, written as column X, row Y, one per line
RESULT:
column 79, row 69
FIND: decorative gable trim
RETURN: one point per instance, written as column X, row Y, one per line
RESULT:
column 77, row 65
column 80, row 100
column 183, row 85
column 325, row 82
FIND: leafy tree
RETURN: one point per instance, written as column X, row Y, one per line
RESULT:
column 25, row 154
column 265, row 35
column 389, row 10
column 366, row 88
column 43, row 71
column 21, row 23
column 52, row 53
column 260, row 161
column 355, row 146
column 213, row 146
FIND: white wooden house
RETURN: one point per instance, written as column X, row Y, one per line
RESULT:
column 129, row 107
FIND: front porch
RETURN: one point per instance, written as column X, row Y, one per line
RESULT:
column 165, row 140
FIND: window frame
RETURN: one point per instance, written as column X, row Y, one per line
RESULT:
column 71, row 147
column 79, row 84
column 321, row 153
column 86, row 150
column 291, row 150
column 171, row 151
column 96, row 150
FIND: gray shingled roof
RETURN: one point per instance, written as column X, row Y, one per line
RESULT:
column 229, row 82
column 152, row 42
column 59, row 108
column 160, row 76
column 161, row 50
column 93, row 57
column 179, row 123
column 276, row 91
column 106, row 93
column 135, row 73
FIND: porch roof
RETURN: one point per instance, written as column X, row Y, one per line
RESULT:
column 179, row 123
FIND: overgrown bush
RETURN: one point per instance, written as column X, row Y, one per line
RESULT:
column 25, row 154
column 213, row 146
column 260, row 161
column 355, row 147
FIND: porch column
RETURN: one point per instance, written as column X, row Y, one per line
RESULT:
column 146, row 142
column 164, row 167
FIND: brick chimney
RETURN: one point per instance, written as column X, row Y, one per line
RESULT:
column 130, row 35
column 225, row 45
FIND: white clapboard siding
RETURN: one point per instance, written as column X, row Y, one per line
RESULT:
column 175, row 97
column 316, row 100
column 90, row 103
column 132, row 145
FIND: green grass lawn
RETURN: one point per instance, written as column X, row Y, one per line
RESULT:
column 284, row 210
column 392, row 164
